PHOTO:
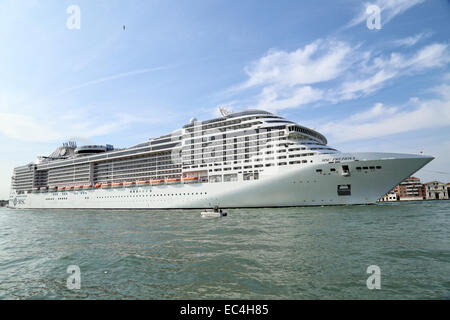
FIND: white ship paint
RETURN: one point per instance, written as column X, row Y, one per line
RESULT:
column 299, row 170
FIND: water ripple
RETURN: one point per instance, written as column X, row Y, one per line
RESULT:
column 292, row 253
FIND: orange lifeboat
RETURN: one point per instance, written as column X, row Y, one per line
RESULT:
column 143, row 183
column 157, row 181
column 77, row 188
column 117, row 185
column 129, row 184
column 190, row 179
column 106, row 185
column 87, row 186
column 61, row 188
column 173, row 180
column 69, row 188
column 98, row 185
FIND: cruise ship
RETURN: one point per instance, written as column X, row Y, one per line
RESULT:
column 243, row 159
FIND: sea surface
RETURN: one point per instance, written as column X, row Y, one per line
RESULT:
column 292, row 253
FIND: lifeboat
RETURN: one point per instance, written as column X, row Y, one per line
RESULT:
column 106, row 185
column 61, row 188
column 156, row 182
column 117, row 185
column 52, row 188
column 98, row 185
column 87, row 186
column 173, row 180
column 143, row 183
column 44, row 189
column 76, row 188
column 35, row 190
column 190, row 179
column 70, row 188
column 129, row 184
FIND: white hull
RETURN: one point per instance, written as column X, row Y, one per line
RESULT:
column 298, row 185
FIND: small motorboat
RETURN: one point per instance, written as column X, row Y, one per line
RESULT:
column 213, row 214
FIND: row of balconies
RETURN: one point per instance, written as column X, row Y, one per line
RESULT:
column 261, row 138
column 134, row 168
column 69, row 173
column 139, row 173
column 220, row 128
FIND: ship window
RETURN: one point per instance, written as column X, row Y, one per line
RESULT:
column 344, row 190
column 378, row 167
column 249, row 176
column 230, row 177
column 358, row 168
column 365, row 168
column 332, row 169
column 216, row 178
column 319, row 170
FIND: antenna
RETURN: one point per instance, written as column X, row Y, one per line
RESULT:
column 224, row 111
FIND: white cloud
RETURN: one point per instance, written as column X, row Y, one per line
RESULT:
column 115, row 77
column 443, row 90
column 275, row 99
column 354, row 88
column 376, row 74
column 376, row 111
column 26, row 118
column 382, row 121
column 286, row 77
column 389, row 10
column 59, row 128
column 410, row 41
column 316, row 62
column 22, row 127
column 330, row 71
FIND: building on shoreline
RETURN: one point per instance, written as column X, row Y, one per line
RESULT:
column 436, row 190
column 389, row 197
column 411, row 189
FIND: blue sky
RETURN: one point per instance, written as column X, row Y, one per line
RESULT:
column 315, row 62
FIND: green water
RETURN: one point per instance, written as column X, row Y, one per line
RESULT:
column 294, row 253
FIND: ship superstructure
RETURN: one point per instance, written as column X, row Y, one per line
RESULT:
column 251, row 158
